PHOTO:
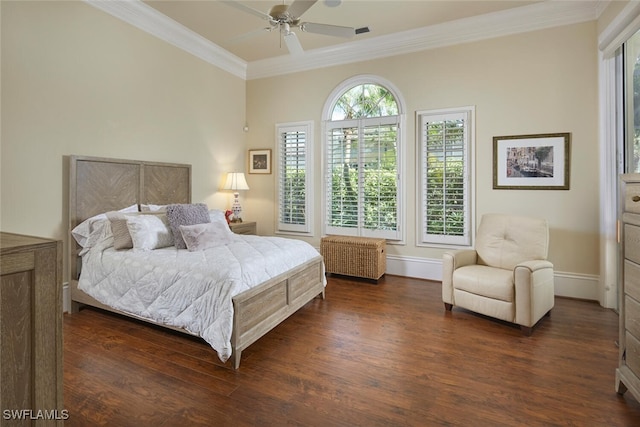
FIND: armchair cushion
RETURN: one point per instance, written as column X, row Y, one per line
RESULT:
column 490, row 282
column 504, row 241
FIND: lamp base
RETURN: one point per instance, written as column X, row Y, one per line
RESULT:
column 236, row 208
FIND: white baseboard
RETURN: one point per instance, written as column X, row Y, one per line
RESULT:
column 572, row 285
column 575, row 285
column 421, row 268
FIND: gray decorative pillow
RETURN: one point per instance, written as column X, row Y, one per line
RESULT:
column 119, row 229
column 199, row 237
column 185, row 214
column 121, row 236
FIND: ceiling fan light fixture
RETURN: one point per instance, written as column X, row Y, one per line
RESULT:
column 332, row 3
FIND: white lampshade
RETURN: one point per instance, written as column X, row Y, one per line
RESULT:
column 235, row 181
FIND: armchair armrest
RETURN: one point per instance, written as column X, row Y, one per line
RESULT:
column 534, row 287
column 461, row 257
column 452, row 260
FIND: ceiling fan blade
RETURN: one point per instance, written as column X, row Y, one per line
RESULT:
column 328, row 30
column 247, row 9
column 298, row 7
column 293, row 44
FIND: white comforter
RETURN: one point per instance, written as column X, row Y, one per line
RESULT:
column 190, row 290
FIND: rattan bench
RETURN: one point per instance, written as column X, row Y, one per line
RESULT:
column 363, row 257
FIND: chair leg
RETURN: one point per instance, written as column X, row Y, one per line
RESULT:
column 448, row 306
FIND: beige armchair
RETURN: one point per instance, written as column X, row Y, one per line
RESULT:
column 507, row 275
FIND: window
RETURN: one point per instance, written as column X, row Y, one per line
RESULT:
column 294, row 175
column 445, row 139
column 362, row 161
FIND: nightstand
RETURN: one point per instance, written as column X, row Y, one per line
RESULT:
column 247, row 227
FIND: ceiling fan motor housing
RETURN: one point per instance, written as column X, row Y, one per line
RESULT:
column 279, row 13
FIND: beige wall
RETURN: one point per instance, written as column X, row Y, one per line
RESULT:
column 78, row 81
column 538, row 82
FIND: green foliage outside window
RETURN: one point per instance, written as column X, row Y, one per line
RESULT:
column 445, row 197
column 380, row 199
column 445, row 206
column 293, row 205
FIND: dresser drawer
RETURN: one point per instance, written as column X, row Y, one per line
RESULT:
column 632, row 197
column 632, row 315
column 632, row 243
column 632, row 349
column 632, row 279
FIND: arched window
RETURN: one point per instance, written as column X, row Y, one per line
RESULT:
column 362, row 160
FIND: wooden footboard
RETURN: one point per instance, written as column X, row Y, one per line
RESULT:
column 259, row 310
column 256, row 311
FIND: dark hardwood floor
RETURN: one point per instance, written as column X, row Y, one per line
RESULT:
column 368, row 355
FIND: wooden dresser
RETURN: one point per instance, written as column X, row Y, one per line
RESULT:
column 628, row 372
column 31, row 331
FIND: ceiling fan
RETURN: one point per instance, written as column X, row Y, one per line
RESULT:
column 284, row 17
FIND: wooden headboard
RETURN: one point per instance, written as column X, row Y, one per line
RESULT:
column 98, row 185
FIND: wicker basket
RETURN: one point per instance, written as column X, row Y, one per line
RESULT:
column 354, row 256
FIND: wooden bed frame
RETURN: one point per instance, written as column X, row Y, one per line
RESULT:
column 98, row 185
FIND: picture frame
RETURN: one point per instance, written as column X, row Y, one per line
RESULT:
column 532, row 162
column 260, row 161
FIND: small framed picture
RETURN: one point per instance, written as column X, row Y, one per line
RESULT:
column 260, row 161
column 532, row 162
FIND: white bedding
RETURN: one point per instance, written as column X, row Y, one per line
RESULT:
column 189, row 290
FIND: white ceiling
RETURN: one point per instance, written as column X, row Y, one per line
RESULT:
column 221, row 23
column 209, row 29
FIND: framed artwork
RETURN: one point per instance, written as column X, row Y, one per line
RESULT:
column 532, row 162
column 260, row 161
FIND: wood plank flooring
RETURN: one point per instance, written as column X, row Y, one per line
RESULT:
column 368, row 355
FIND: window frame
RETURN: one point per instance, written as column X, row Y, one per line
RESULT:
column 308, row 128
column 399, row 236
column 423, row 238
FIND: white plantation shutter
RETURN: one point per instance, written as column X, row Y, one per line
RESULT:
column 294, row 174
column 445, row 178
column 362, row 177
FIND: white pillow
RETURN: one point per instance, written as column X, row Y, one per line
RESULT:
column 217, row 217
column 82, row 231
column 199, row 237
column 152, row 208
column 149, row 232
column 100, row 230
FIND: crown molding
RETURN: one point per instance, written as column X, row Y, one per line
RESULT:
column 533, row 17
column 148, row 19
column 537, row 16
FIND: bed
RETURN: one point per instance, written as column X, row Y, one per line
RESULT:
column 99, row 185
